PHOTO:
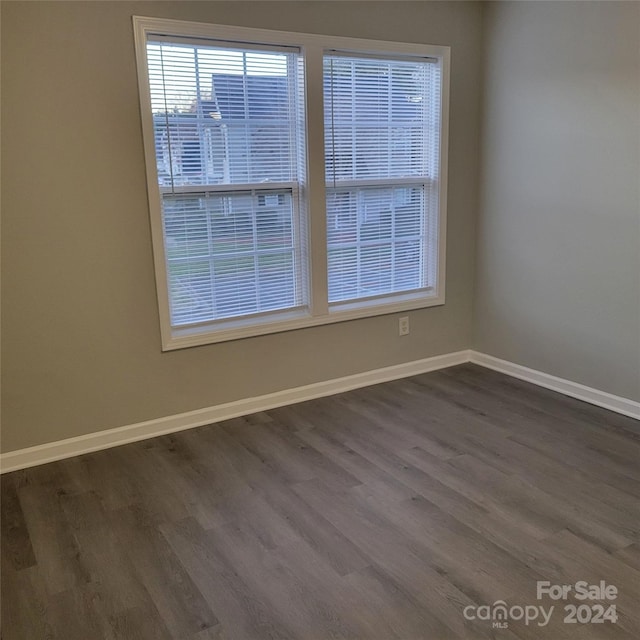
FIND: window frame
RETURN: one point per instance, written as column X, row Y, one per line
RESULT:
column 313, row 48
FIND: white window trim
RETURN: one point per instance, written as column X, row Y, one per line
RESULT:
column 312, row 47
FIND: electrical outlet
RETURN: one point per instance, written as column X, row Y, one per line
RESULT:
column 403, row 326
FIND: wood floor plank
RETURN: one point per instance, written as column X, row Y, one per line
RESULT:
column 612, row 455
column 314, row 529
column 16, row 540
column 212, row 633
column 57, row 549
column 594, row 564
column 295, row 588
column 289, row 516
column 407, row 563
column 80, row 613
column 366, row 472
column 554, row 403
column 234, row 603
column 630, row 555
column 520, row 460
column 183, row 609
column 26, row 609
column 286, row 452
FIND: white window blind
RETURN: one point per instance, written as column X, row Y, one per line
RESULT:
column 382, row 145
column 229, row 142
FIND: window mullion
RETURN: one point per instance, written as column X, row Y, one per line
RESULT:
column 316, row 196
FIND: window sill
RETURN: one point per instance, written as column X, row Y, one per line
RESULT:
column 288, row 321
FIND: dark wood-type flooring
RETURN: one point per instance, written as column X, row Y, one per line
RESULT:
column 377, row 514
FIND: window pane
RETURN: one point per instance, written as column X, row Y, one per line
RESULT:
column 376, row 241
column 223, row 116
column 380, row 118
column 230, row 255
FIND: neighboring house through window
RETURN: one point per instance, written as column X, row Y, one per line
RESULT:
column 294, row 180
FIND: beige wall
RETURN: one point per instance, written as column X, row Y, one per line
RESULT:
column 558, row 278
column 81, row 343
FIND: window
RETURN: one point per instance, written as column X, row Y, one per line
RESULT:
column 381, row 142
column 293, row 179
column 229, row 150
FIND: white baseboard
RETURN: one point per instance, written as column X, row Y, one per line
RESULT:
column 41, row 454
column 603, row 399
column 49, row 452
